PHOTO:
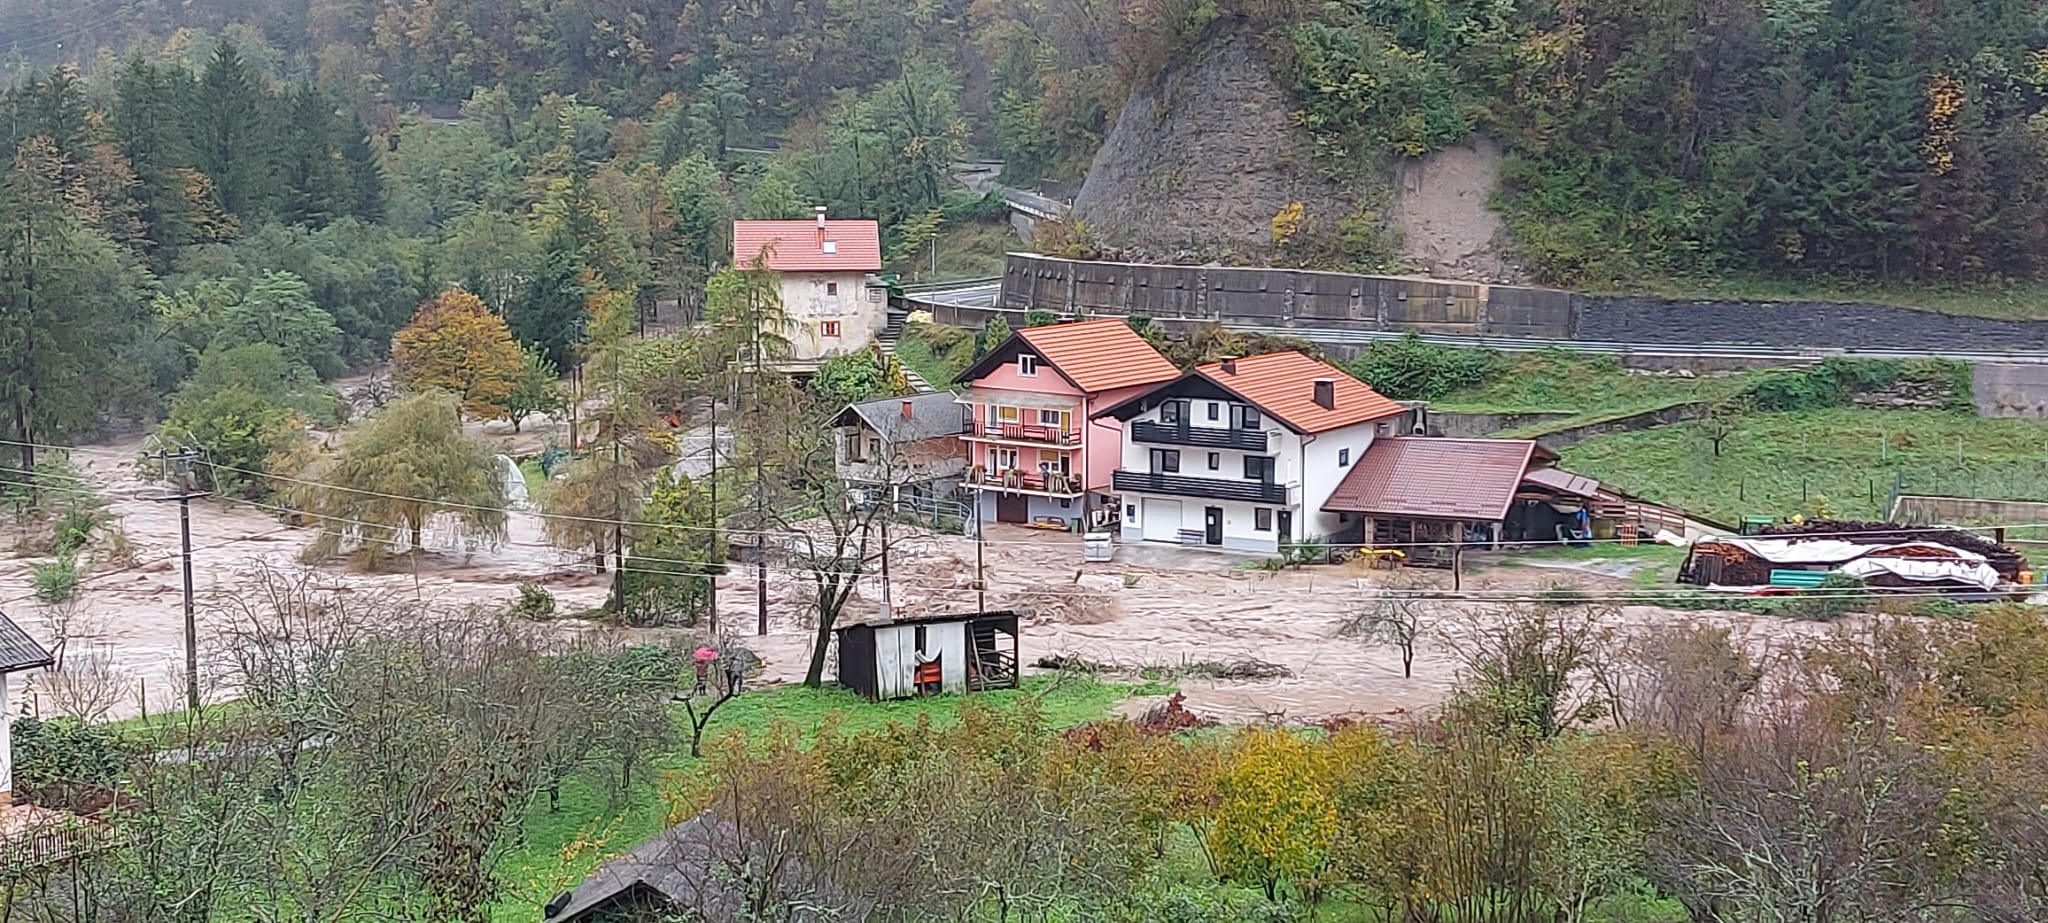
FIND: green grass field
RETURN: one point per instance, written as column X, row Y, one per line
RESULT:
column 1840, row 461
column 936, row 351
column 1555, row 381
column 2028, row 301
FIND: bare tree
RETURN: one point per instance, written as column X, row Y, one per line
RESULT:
column 1529, row 668
column 1687, row 682
column 1394, row 616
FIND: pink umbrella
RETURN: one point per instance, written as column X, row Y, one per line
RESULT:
column 705, row 655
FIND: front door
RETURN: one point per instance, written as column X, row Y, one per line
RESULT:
column 1212, row 522
column 1286, row 526
column 1013, row 508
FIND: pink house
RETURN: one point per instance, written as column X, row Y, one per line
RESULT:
column 1034, row 449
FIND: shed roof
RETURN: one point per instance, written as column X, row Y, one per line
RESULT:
column 1435, row 478
column 1564, row 482
column 800, row 246
column 1096, row 355
column 18, row 651
column 684, row 865
column 998, row 615
column 1283, row 385
column 932, row 415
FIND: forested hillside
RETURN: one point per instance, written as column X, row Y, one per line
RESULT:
column 168, row 162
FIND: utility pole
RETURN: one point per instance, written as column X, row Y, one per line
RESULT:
column 760, row 490
column 713, row 561
column 181, row 462
column 980, row 576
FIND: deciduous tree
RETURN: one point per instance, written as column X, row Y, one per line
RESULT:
column 456, row 344
column 407, row 465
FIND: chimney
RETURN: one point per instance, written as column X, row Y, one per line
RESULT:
column 1326, row 393
column 906, row 410
column 820, row 212
column 1229, row 365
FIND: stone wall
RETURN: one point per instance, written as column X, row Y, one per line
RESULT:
column 2011, row 390
column 1459, row 425
column 1649, row 419
column 1310, row 301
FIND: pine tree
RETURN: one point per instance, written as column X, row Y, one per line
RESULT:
column 315, row 180
column 550, row 315
column 365, row 174
column 233, row 134
column 147, row 125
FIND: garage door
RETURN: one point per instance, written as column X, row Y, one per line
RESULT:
column 1161, row 520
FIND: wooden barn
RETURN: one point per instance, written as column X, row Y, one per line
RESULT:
column 936, row 654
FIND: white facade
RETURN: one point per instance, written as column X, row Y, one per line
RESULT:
column 832, row 313
column 1307, row 467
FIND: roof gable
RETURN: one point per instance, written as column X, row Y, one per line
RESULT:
column 804, row 246
column 1282, row 385
column 18, row 651
column 933, row 414
column 1435, row 478
column 1094, row 356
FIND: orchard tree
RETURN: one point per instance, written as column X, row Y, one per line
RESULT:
column 456, row 344
column 408, row 464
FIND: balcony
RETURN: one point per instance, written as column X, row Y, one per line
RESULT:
column 1249, row 440
column 1024, row 433
column 1210, row 488
column 1046, row 484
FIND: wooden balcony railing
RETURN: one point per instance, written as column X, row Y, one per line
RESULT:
column 1249, row 440
column 1052, row 482
column 1210, row 488
column 1034, row 433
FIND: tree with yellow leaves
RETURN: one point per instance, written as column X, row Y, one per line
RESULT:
column 455, row 344
column 1274, row 818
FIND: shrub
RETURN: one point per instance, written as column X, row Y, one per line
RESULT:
column 1836, row 596
column 1411, row 369
column 74, row 529
column 1040, row 317
column 62, row 750
column 56, row 581
column 535, row 602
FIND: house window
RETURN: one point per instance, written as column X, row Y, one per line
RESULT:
column 1262, row 520
column 1131, row 512
column 875, row 447
column 832, row 289
column 1247, row 418
column 1049, row 417
column 1006, row 414
column 853, row 446
column 1258, row 468
column 1215, row 410
column 1027, row 366
column 828, row 328
column 1165, row 461
column 1170, row 412
column 1215, row 461
column 1385, row 428
column 1343, row 457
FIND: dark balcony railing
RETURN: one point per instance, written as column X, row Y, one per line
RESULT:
column 1043, row 482
column 1036, row 433
column 1249, row 440
column 1212, row 488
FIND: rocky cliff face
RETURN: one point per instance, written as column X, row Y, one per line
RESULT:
column 1201, row 161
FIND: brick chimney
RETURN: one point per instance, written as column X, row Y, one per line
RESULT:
column 819, row 210
column 906, row 410
column 1229, row 365
column 1326, row 393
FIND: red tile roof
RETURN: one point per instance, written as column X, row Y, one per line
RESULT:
column 1100, row 355
column 798, row 246
column 1283, row 385
column 1434, row 478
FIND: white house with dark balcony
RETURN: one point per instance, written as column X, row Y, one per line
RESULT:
column 1242, row 453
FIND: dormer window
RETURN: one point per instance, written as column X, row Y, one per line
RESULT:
column 1027, row 366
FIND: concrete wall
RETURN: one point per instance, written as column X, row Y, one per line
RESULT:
column 1474, row 425
column 1314, row 301
column 1648, row 419
column 2011, row 391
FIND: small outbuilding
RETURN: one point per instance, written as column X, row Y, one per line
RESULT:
column 936, row 654
column 705, row 870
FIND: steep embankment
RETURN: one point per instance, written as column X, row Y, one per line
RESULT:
column 1204, row 157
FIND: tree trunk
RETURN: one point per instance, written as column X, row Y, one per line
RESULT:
column 28, row 449
column 815, row 676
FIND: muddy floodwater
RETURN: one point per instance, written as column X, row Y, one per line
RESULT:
column 1151, row 610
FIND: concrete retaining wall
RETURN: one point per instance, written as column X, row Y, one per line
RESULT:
column 1648, row 419
column 2011, row 390
column 1314, row 301
column 1459, row 425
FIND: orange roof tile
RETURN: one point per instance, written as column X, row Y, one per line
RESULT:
column 1100, row 355
column 799, row 246
column 1283, row 385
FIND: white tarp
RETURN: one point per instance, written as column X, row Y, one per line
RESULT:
column 1827, row 551
column 1922, row 570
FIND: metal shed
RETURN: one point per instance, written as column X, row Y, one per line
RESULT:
column 904, row 658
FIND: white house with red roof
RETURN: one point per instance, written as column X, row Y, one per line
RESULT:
column 835, row 303
column 1243, row 453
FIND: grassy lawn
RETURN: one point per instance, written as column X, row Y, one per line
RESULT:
column 2017, row 302
column 1779, row 464
column 561, row 847
column 936, row 351
column 1556, row 381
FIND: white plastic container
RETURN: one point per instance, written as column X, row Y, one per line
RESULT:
column 1096, row 546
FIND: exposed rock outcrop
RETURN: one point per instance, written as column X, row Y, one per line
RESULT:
column 1202, row 159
